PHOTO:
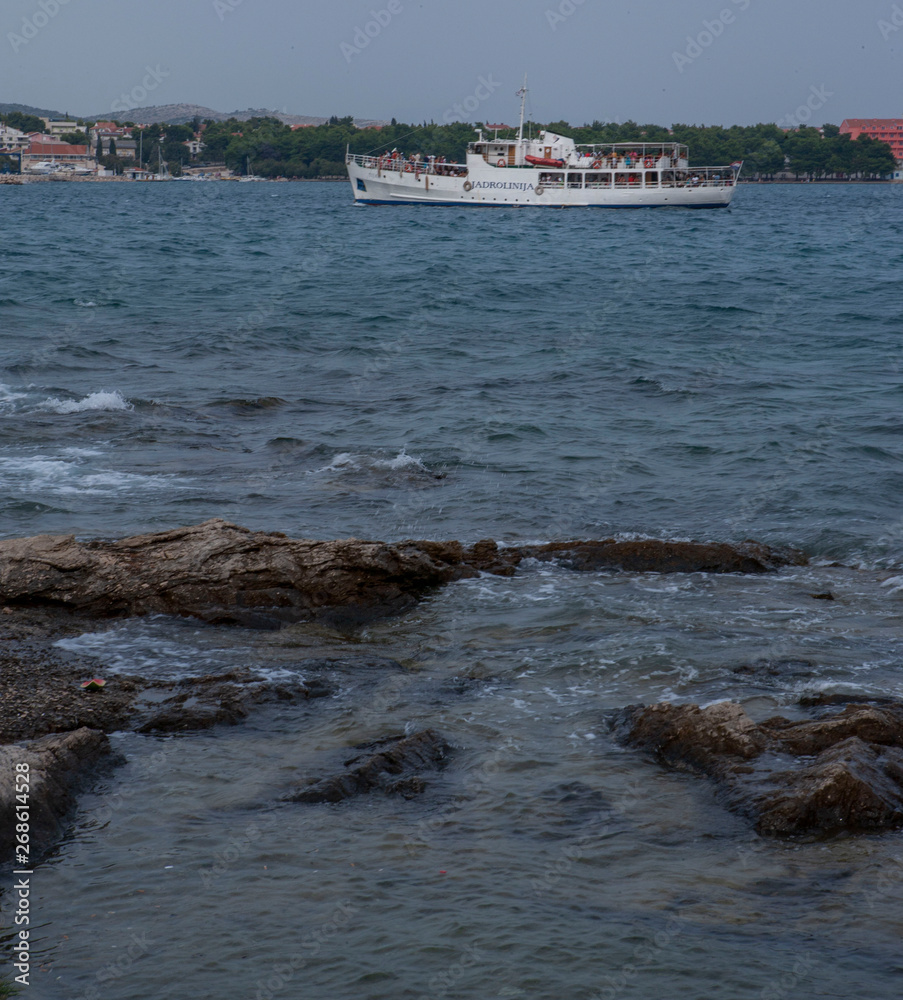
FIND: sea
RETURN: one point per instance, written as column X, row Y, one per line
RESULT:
column 276, row 356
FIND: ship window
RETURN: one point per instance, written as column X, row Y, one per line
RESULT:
column 652, row 178
column 598, row 180
column 361, row 186
column 552, row 180
column 575, row 180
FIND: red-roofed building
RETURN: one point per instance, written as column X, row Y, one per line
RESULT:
column 45, row 147
column 889, row 130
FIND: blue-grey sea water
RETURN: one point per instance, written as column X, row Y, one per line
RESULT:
column 272, row 354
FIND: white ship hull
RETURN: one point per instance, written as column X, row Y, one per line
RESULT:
column 522, row 186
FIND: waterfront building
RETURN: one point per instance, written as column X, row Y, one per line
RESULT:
column 43, row 147
column 889, row 130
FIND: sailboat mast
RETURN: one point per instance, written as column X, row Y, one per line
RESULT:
column 523, row 103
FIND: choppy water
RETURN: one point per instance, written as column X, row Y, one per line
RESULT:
column 273, row 355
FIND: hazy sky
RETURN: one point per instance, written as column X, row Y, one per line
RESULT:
column 662, row 61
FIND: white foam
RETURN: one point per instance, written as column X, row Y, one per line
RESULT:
column 401, row 461
column 66, row 475
column 102, row 400
column 347, row 461
column 8, row 395
column 158, row 648
column 340, row 463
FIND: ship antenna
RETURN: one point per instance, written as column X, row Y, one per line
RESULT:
column 522, row 94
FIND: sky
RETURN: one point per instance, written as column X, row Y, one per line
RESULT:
column 653, row 61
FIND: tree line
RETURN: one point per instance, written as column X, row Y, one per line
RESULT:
column 274, row 150
column 268, row 148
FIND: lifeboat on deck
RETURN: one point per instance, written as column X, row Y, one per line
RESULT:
column 543, row 161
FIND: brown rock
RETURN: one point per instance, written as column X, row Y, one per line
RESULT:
column 226, row 574
column 880, row 725
column 217, row 571
column 693, row 736
column 841, row 771
column 58, row 765
column 851, row 786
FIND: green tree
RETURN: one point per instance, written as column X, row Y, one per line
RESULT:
column 179, row 133
column 768, row 159
column 24, row 123
column 76, row 138
column 112, row 147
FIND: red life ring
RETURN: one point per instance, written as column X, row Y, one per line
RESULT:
column 647, row 162
column 502, row 162
column 408, row 168
column 597, row 164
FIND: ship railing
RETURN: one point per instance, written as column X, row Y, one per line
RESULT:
column 677, row 150
column 407, row 166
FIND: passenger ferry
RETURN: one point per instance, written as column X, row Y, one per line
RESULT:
column 550, row 171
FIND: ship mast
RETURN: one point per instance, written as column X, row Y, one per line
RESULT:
column 522, row 93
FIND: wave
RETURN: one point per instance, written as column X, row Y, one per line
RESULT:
column 102, row 400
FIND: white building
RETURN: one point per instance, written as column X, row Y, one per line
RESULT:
column 12, row 138
column 56, row 129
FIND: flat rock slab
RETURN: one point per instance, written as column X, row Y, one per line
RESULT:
column 223, row 573
column 58, row 766
column 842, row 771
column 393, row 765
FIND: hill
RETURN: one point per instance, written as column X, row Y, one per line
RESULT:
column 26, row 109
column 181, row 114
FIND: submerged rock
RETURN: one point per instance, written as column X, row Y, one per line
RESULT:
column 840, row 772
column 204, row 702
column 393, row 765
column 58, row 766
column 226, row 574
column 652, row 556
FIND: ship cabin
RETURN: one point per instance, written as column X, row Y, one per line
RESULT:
column 564, row 164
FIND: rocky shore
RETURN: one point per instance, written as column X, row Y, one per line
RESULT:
column 840, row 770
